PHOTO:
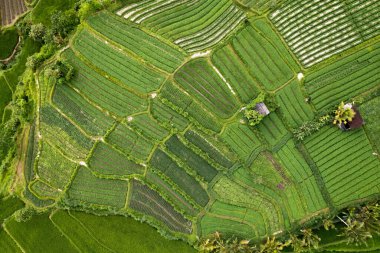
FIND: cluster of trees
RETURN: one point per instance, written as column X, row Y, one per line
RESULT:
column 354, row 226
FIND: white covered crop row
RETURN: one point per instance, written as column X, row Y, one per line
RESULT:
column 213, row 33
column 226, row 17
column 318, row 29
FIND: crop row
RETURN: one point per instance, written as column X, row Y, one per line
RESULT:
column 88, row 117
column 148, row 127
column 261, row 58
column 126, row 69
column 241, row 139
column 346, row 78
column 63, row 134
column 105, row 93
column 162, row 162
column 316, row 31
column 175, row 196
column 272, row 128
column 194, row 26
column 44, row 190
column 212, row 147
column 259, row 5
column 147, row 47
column 228, row 227
column 107, row 161
column 130, row 142
column 214, row 33
column 236, row 74
column 192, row 160
column 31, row 154
column 10, row 9
column 199, row 79
column 366, row 17
column 54, row 168
column 293, row 106
column 167, row 117
column 346, row 164
column 227, row 214
column 149, row 202
column 183, row 103
column 89, row 189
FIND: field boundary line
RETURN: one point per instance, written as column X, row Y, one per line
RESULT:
column 63, row 233
column 89, row 232
column 318, row 177
column 12, row 237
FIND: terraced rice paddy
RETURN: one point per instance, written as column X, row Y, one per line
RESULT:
column 10, row 10
column 152, row 123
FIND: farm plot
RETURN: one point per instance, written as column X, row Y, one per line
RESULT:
column 233, row 220
column 242, row 140
column 371, row 115
column 193, row 26
column 124, row 68
column 59, row 177
column 87, row 189
column 167, row 117
column 107, row 161
column 184, row 103
column 236, row 74
column 44, row 190
column 175, row 196
column 191, row 159
column 345, row 78
column 199, row 79
column 301, row 174
column 271, row 181
column 130, row 142
column 88, row 117
column 112, row 97
column 263, row 61
column 345, row 161
column 231, row 192
column 149, row 202
column 10, row 10
column 293, row 106
column 316, row 31
column 162, row 162
column 148, row 127
column 63, row 135
column 149, row 48
column 212, row 148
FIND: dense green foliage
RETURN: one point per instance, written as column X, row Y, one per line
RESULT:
column 8, row 41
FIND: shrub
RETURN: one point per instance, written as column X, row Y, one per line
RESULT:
column 37, row 32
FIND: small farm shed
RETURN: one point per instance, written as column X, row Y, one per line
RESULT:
column 262, row 109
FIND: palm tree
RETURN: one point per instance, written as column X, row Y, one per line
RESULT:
column 310, row 240
column 297, row 243
column 273, row 246
column 355, row 231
